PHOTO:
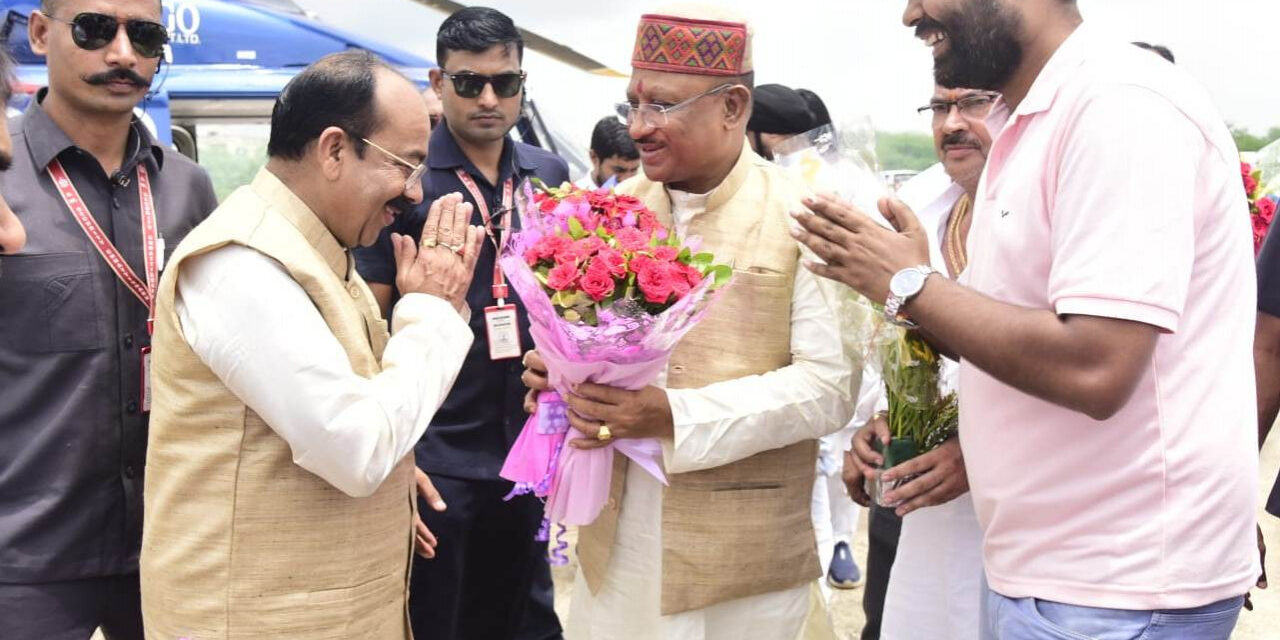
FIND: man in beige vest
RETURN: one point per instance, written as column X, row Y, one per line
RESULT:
column 728, row 549
column 279, row 488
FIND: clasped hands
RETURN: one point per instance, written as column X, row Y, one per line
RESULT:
column 443, row 264
column 627, row 414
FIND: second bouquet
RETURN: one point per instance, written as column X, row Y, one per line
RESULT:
column 609, row 291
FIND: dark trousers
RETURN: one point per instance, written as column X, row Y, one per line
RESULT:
column 540, row 619
column 883, row 528
column 478, row 585
column 72, row 610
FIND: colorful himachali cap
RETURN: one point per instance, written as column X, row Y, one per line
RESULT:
column 698, row 46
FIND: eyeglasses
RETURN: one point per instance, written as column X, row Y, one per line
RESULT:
column 973, row 107
column 93, row 31
column 470, row 85
column 655, row 115
column 415, row 170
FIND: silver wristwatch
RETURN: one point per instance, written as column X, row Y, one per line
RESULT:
column 904, row 286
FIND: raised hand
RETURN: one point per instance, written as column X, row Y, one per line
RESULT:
column 855, row 249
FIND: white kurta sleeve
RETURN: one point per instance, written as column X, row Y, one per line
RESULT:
column 732, row 420
column 260, row 333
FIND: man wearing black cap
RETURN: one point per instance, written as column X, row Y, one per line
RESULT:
column 779, row 113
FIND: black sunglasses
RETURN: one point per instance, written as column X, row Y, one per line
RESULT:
column 93, row 31
column 470, row 85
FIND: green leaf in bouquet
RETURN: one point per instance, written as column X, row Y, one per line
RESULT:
column 590, row 315
column 943, row 423
column 571, row 315
column 577, row 299
column 576, row 231
column 721, row 275
column 685, row 255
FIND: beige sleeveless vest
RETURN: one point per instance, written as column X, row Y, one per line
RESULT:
column 239, row 542
column 742, row 529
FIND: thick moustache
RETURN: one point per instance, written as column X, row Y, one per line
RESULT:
column 121, row 76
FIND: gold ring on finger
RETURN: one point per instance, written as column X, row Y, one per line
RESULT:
column 604, row 435
column 429, row 243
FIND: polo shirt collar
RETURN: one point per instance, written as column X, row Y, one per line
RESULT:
column 46, row 140
column 1071, row 54
column 444, row 153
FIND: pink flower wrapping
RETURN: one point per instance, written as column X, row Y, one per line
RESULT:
column 594, row 325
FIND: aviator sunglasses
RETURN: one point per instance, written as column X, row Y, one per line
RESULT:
column 469, row 85
column 93, row 31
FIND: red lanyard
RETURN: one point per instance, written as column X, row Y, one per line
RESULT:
column 146, row 293
column 499, row 239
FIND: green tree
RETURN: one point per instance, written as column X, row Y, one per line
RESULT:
column 905, row 150
column 1247, row 141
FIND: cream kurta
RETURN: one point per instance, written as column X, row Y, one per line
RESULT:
column 715, row 425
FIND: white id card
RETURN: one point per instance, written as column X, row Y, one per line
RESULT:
column 146, row 380
column 504, row 332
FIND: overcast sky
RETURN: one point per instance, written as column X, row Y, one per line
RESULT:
column 854, row 53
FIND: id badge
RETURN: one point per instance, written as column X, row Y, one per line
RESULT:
column 145, row 400
column 504, row 332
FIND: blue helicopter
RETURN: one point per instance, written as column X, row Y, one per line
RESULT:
column 227, row 60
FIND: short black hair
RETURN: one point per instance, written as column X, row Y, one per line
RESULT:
column 1158, row 49
column 338, row 90
column 47, row 7
column 610, row 138
column 476, row 29
column 817, row 108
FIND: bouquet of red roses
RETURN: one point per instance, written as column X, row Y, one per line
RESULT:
column 609, row 291
column 1262, row 203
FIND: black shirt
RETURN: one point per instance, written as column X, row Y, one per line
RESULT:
column 479, row 421
column 72, row 434
column 1269, row 303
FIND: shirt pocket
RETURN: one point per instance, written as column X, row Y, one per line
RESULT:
column 50, row 304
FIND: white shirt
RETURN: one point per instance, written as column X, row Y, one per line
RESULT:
column 931, row 196
column 714, row 426
column 940, row 548
column 259, row 332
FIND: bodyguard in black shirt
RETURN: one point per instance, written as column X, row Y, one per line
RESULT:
column 73, row 327
column 478, row 586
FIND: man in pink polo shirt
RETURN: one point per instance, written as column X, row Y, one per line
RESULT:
column 1104, row 326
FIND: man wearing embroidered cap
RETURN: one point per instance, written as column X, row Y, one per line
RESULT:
column 727, row 549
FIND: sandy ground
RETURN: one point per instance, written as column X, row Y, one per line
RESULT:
column 846, row 607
